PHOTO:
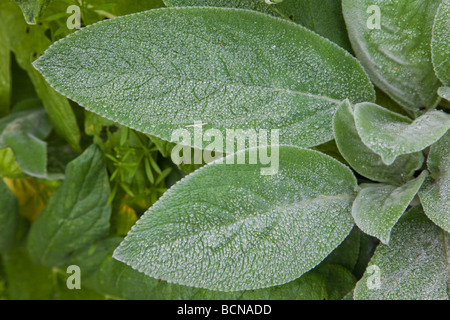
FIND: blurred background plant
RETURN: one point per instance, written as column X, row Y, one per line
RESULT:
column 41, row 132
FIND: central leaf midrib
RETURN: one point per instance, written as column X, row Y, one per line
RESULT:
column 250, row 217
column 229, row 83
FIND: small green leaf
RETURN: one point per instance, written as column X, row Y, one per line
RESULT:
column 77, row 210
column 440, row 44
column 378, row 207
column 396, row 55
column 227, row 227
column 161, row 70
column 23, row 132
column 390, row 134
column 27, row 43
column 413, row 267
column 325, row 18
column 5, row 74
column 32, row 9
column 9, row 217
column 365, row 161
column 434, row 194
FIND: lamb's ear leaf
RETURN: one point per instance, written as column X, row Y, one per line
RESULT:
column 434, row 194
column 413, row 267
column 363, row 160
column 392, row 41
column 390, row 134
column 378, row 207
column 440, row 45
column 287, row 222
column 78, row 209
column 323, row 17
column 161, row 71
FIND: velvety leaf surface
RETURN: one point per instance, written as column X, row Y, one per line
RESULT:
column 390, row 134
column 78, row 210
column 435, row 195
column 228, row 228
column 363, row 160
column 440, row 44
column 325, row 18
column 397, row 56
column 5, row 74
column 162, row 70
column 413, row 267
column 378, row 207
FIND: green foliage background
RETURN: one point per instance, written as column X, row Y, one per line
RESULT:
column 53, row 152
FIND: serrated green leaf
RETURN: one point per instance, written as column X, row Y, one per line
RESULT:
column 325, row 18
column 178, row 72
column 378, row 207
column 23, row 132
column 365, row 161
column 78, row 209
column 434, row 194
column 397, row 56
column 9, row 217
column 390, row 134
column 413, row 267
column 32, row 9
column 440, row 44
column 204, row 229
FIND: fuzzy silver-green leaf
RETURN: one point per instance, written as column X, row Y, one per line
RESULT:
column 225, row 227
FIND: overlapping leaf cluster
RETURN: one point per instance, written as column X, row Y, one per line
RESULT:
column 362, row 181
